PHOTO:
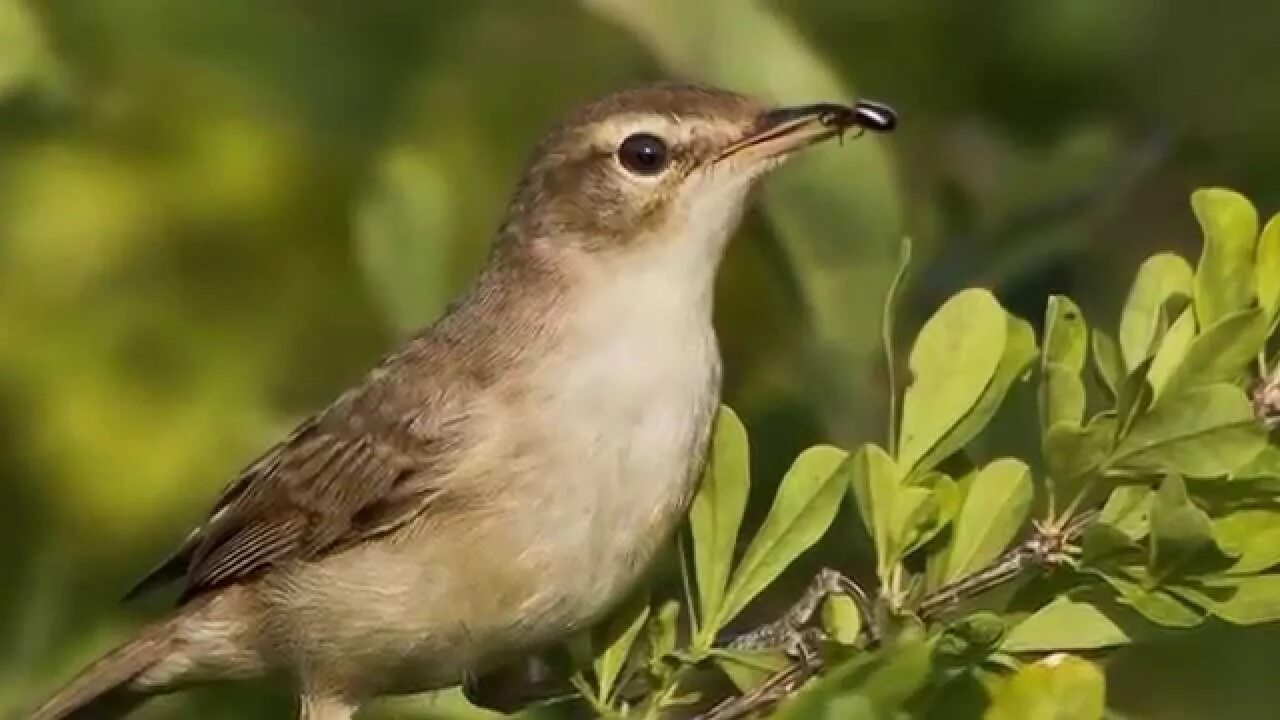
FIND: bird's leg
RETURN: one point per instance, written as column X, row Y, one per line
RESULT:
column 319, row 707
column 509, row 688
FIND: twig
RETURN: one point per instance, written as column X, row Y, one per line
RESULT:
column 787, row 631
column 793, row 632
column 1045, row 548
column 769, row 693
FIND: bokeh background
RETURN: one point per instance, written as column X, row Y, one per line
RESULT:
column 213, row 216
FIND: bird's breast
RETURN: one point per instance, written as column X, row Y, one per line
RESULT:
column 624, row 409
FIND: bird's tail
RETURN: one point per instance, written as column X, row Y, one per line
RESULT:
column 105, row 689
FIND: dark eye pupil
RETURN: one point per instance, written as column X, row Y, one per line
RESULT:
column 643, row 154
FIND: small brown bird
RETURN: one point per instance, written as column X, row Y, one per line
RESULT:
column 505, row 477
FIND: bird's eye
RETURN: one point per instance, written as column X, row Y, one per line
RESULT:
column 643, row 154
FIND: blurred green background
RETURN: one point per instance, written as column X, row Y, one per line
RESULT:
column 214, row 216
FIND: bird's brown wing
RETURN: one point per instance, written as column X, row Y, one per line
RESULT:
column 327, row 486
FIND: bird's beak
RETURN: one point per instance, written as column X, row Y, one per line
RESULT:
column 783, row 130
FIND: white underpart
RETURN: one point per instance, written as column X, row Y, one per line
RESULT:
column 635, row 386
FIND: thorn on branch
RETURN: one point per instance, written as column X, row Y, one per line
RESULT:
column 1265, row 398
column 1047, row 547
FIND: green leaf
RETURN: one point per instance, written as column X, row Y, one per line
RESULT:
column 1113, row 538
column 747, row 669
column 1065, row 624
column 971, row 639
column 1073, row 453
column 1248, row 600
column 1252, row 536
column 1208, row 431
column 1156, row 605
column 1019, row 353
column 1128, row 510
column 954, row 358
column 716, row 514
column 925, row 509
column 1267, row 266
column 1134, row 398
column 807, row 501
column 1059, row 687
column 1171, row 350
column 1222, row 352
column 623, row 632
column 875, row 480
column 994, row 507
column 899, row 514
column 1062, row 397
column 1230, row 225
column 841, row 619
column 1265, row 465
column 1179, row 529
column 1159, row 279
column 1107, row 362
column 1105, row 549
column 663, row 632
column 869, row 686
column 1066, row 333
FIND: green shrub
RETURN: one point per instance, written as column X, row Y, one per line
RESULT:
column 1153, row 506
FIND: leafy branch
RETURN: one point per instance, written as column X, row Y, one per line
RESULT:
column 1151, row 504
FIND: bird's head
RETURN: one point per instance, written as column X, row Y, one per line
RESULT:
column 663, row 165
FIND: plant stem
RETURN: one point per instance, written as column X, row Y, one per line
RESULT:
column 1045, row 548
column 665, row 692
column 687, row 585
column 588, row 693
column 887, row 321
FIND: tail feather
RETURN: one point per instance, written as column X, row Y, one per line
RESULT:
column 102, row 691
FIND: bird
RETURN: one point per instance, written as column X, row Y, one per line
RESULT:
column 506, row 476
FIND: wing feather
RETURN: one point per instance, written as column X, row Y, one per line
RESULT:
column 333, row 483
column 381, row 455
column 245, row 552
